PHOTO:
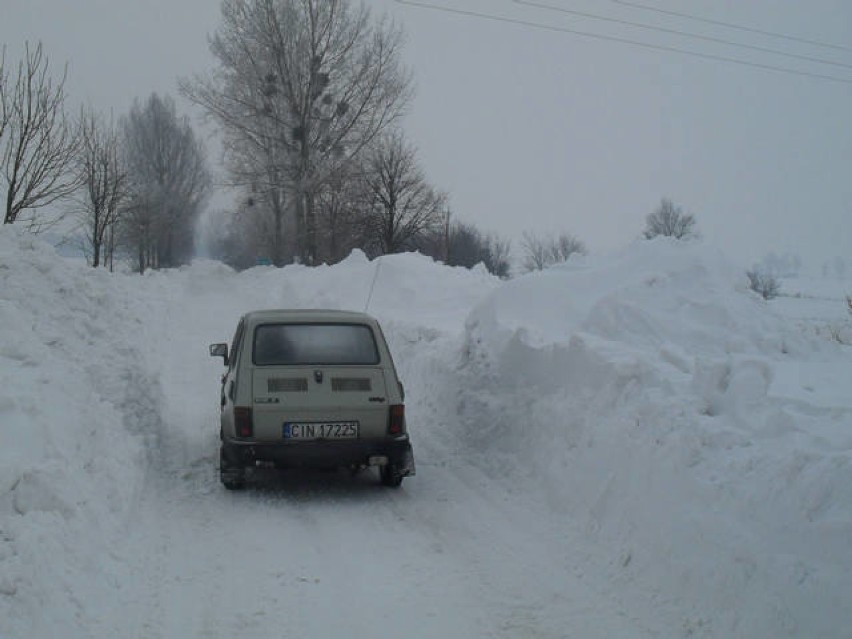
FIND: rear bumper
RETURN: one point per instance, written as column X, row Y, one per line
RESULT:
column 323, row 454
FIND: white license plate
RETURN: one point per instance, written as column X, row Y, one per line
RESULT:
column 320, row 430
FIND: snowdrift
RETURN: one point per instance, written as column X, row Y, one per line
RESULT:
column 690, row 443
column 77, row 416
column 662, row 406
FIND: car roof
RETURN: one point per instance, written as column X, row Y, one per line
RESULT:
column 308, row 315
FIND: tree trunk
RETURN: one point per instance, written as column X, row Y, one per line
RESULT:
column 278, row 219
column 311, row 224
column 300, row 226
column 110, row 250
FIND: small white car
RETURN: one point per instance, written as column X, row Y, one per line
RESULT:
column 311, row 389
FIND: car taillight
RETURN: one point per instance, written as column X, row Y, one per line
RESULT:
column 243, row 421
column 396, row 421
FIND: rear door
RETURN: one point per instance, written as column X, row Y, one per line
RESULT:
column 318, row 382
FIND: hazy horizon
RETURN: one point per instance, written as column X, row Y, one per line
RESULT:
column 548, row 131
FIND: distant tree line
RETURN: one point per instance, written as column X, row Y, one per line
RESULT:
column 136, row 186
column 308, row 96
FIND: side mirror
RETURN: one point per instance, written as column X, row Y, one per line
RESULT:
column 402, row 391
column 219, row 350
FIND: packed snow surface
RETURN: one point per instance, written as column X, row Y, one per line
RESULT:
column 630, row 445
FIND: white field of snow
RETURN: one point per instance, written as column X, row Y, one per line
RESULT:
column 631, row 445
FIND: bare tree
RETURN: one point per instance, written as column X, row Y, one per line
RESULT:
column 254, row 167
column 104, row 183
column 168, row 182
column 463, row 244
column 4, row 110
column 400, row 206
column 240, row 237
column 764, row 283
column 340, row 217
column 540, row 252
column 496, row 257
column 564, row 246
column 670, row 221
column 303, row 86
column 535, row 252
column 38, row 143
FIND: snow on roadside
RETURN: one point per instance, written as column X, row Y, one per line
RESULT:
column 818, row 305
column 84, row 359
column 694, row 445
column 641, row 391
column 77, row 415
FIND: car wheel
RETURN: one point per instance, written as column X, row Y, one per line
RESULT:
column 233, row 477
column 390, row 476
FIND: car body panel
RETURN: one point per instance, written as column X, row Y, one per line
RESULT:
column 293, row 394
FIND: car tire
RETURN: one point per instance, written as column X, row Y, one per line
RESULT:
column 233, row 477
column 390, row 476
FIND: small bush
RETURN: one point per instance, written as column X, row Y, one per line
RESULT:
column 765, row 284
column 543, row 252
column 670, row 221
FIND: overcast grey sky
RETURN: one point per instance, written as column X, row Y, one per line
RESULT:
column 530, row 129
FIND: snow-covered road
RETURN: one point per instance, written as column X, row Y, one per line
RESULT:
column 455, row 553
column 325, row 556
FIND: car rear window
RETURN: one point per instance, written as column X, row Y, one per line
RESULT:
column 316, row 344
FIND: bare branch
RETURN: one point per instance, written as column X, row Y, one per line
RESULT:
column 764, row 283
column 467, row 246
column 401, row 206
column 4, row 109
column 39, row 143
column 670, row 221
column 540, row 253
column 104, row 182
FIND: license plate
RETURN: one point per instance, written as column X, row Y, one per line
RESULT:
column 320, row 430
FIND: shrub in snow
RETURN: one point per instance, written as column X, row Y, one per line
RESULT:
column 541, row 253
column 670, row 221
column 764, row 283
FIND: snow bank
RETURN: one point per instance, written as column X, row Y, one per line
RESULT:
column 641, row 391
column 84, row 359
column 75, row 413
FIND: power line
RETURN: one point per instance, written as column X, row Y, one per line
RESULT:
column 731, row 25
column 688, row 34
column 608, row 38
